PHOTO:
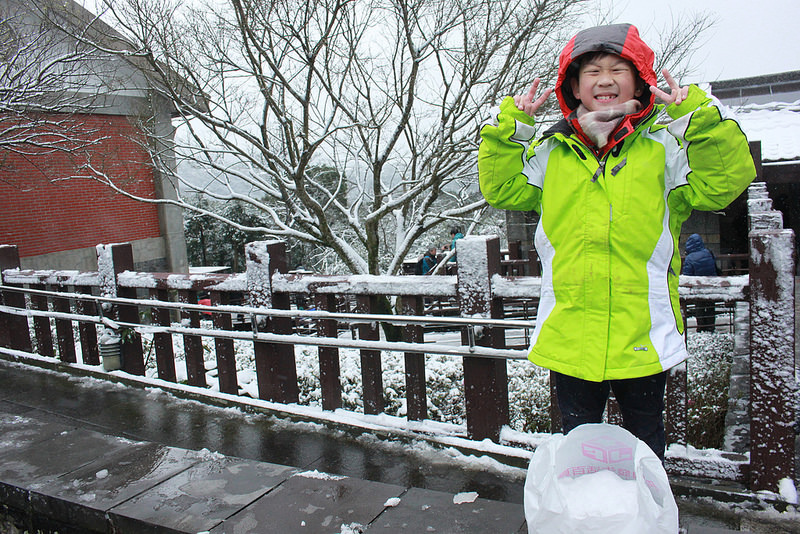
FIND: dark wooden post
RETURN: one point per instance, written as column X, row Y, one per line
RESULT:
column 112, row 260
column 485, row 379
column 533, row 263
column 416, row 392
column 65, row 337
column 371, row 369
column 329, row 369
column 41, row 325
column 276, row 368
column 87, row 331
column 772, row 358
column 165, row 356
column 16, row 326
column 226, row 355
column 192, row 345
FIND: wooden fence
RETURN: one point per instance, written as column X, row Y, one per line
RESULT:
column 115, row 296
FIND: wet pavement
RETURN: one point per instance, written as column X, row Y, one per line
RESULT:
column 79, row 454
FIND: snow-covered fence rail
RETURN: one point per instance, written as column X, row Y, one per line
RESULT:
column 115, row 296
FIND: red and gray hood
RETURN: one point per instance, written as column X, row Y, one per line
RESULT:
column 620, row 39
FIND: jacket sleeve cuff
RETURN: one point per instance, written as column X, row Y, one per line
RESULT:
column 525, row 124
column 695, row 99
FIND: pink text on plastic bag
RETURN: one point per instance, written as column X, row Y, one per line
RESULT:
column 602, row 452
column 607, row 450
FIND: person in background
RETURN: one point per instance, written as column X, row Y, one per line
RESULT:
column 429, row 260
column 612, row 188
column 700, row 261
column 455, row 235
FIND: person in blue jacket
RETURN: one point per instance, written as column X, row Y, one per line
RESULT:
column 700, row 261
column 455, row 235
column 429, row 260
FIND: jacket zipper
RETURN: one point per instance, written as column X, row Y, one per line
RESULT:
column 600, row 170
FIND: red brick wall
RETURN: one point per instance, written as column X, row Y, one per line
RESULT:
column 48, row 202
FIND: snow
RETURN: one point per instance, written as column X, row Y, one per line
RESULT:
column 465, row 497
column 259, row 282
column 51, row 277
column 520, row 287
column 105, row 271
column 366, row 284
column 787, row 490
column 474, row 288
column 776, row 125
column 716, row 288
column 391, row 502
column 319, row 475
column 137, row 280
column 600, row 494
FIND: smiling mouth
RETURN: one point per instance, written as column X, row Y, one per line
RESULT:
column 605, row 97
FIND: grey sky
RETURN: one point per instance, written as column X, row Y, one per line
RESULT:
column 751, row 37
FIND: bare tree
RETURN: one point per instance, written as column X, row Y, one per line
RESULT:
column 44, row 87
column 390, row 93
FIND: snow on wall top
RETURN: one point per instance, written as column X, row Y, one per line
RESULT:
column 56, row 277
column 365, row 284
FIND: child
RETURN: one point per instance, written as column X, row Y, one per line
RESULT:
column 612, row 189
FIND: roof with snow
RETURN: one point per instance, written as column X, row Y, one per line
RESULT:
column 776, row 125
column 768, row 108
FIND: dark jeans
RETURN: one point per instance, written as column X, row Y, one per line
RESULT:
column 641, row 401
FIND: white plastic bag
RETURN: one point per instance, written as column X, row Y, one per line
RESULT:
column 598, row 478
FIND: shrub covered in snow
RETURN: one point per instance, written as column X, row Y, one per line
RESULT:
column 708, row 370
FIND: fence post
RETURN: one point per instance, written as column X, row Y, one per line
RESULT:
column 226, row 355
column 329, row 368
column 772, row 380
column 192, row 345
column 737, row 419
column 276, row 368
column 65, row 337
column 87, row 331
column 41, row 325
column 112, row 260
column 371, row 371
column 416, row 391
column 16, row 326
column 485, row 379
column 165, row 354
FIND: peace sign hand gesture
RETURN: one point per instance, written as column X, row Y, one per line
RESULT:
column 527, row 103
column 677, row 93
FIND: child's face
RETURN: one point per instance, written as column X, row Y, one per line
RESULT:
column 606, row 81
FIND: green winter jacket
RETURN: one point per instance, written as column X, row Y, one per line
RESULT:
column 609, row 225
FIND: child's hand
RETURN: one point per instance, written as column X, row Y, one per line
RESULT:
column 527, row 103
column 677, row 93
